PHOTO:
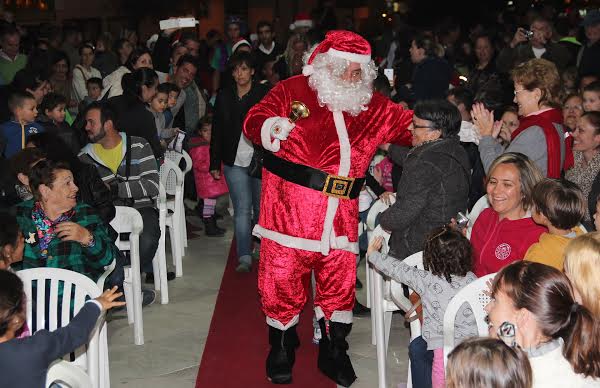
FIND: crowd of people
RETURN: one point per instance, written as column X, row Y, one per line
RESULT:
column 510, row 113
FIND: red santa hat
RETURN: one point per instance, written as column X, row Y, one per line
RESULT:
column 301, row 20
column 341, row 44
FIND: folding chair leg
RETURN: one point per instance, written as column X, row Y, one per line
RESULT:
column 176, row 239
column 387, row 327
column 380, row 330
column 127, row 289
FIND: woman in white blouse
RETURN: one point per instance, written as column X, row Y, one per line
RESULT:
column 83, row 72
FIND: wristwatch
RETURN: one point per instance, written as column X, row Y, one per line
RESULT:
column 91, row 241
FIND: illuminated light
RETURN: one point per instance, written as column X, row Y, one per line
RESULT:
column 463, row 78
column 510, row 3
column 383, row 15
column 389, row 19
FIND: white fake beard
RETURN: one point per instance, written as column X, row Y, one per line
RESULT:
column 337, row 94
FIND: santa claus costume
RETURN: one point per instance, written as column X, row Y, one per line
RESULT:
column 313, row 172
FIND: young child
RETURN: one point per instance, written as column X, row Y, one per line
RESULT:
column 591, row 97
column 12, row 242
column 14, row 133
column 53, row 108
column 174, row 92
column 488, row 362
column 208, row 188
column 582, row 267
column 157, row 106
column 94, row 91
column 448, row 260
column 44, row 347
column 559, row 206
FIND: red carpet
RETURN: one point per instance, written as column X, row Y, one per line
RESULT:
column 237, row 344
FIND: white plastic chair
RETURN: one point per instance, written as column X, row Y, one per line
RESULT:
column 176, row 158
column 80, row 287
column 129, row 220
column 377, row 207
column 64, row 372
column 388, row 297
column 474, row 295
column 159, row 263
column 481, row 204
column 172, row 179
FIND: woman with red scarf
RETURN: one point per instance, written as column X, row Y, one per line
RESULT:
column 540, row 135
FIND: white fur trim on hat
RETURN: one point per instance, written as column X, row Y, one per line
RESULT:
column 308, row 70
column 301, row 23
column 239, row 43
column 352, row 57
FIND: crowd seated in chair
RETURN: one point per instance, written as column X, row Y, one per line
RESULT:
column 533, row 306
column 60, row 232
column 25, row 361
column 504, row 232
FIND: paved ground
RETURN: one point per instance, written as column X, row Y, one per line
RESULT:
column 175, row 333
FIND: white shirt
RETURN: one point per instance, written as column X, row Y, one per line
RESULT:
column 538, row 52
column 245, row 150
column 552, row 370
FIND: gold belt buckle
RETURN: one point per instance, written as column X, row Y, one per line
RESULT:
column 338, row 186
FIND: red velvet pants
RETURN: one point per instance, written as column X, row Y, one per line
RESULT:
column 284, row 281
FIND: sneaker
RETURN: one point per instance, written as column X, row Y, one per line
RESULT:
column 243, row 267
column 316, row 335
column 148, row 297
column 150, row 277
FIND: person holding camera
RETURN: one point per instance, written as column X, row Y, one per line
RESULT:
column 534, row 43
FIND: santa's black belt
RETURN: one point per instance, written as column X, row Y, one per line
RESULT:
column 330, row 185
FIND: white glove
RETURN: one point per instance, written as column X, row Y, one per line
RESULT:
column 277, row 127
column 281, row 128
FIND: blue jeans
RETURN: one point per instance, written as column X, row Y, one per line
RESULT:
column 421, row 361
column 244, row 191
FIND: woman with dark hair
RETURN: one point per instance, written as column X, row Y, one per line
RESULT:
column 434, row 185
column 431, row 74
column 60, row 231
column 138, row 58
column 133, row 117
column 586, row 170
column 485, row 69
column 560, row 336
column 60, row 77
column 84, row 71
column 230, row 146
column 92, row 190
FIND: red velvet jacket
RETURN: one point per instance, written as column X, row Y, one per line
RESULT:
column 300, row 217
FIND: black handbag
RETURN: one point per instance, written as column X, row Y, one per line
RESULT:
column 256, row 164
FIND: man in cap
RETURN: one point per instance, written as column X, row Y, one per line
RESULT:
column 314, row 171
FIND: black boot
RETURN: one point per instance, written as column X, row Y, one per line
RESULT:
column 282, row 355
column 211, row 228
column 333, row 360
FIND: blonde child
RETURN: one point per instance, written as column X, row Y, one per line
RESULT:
column 559, row 206
column 582, row 267
column 448, row 261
